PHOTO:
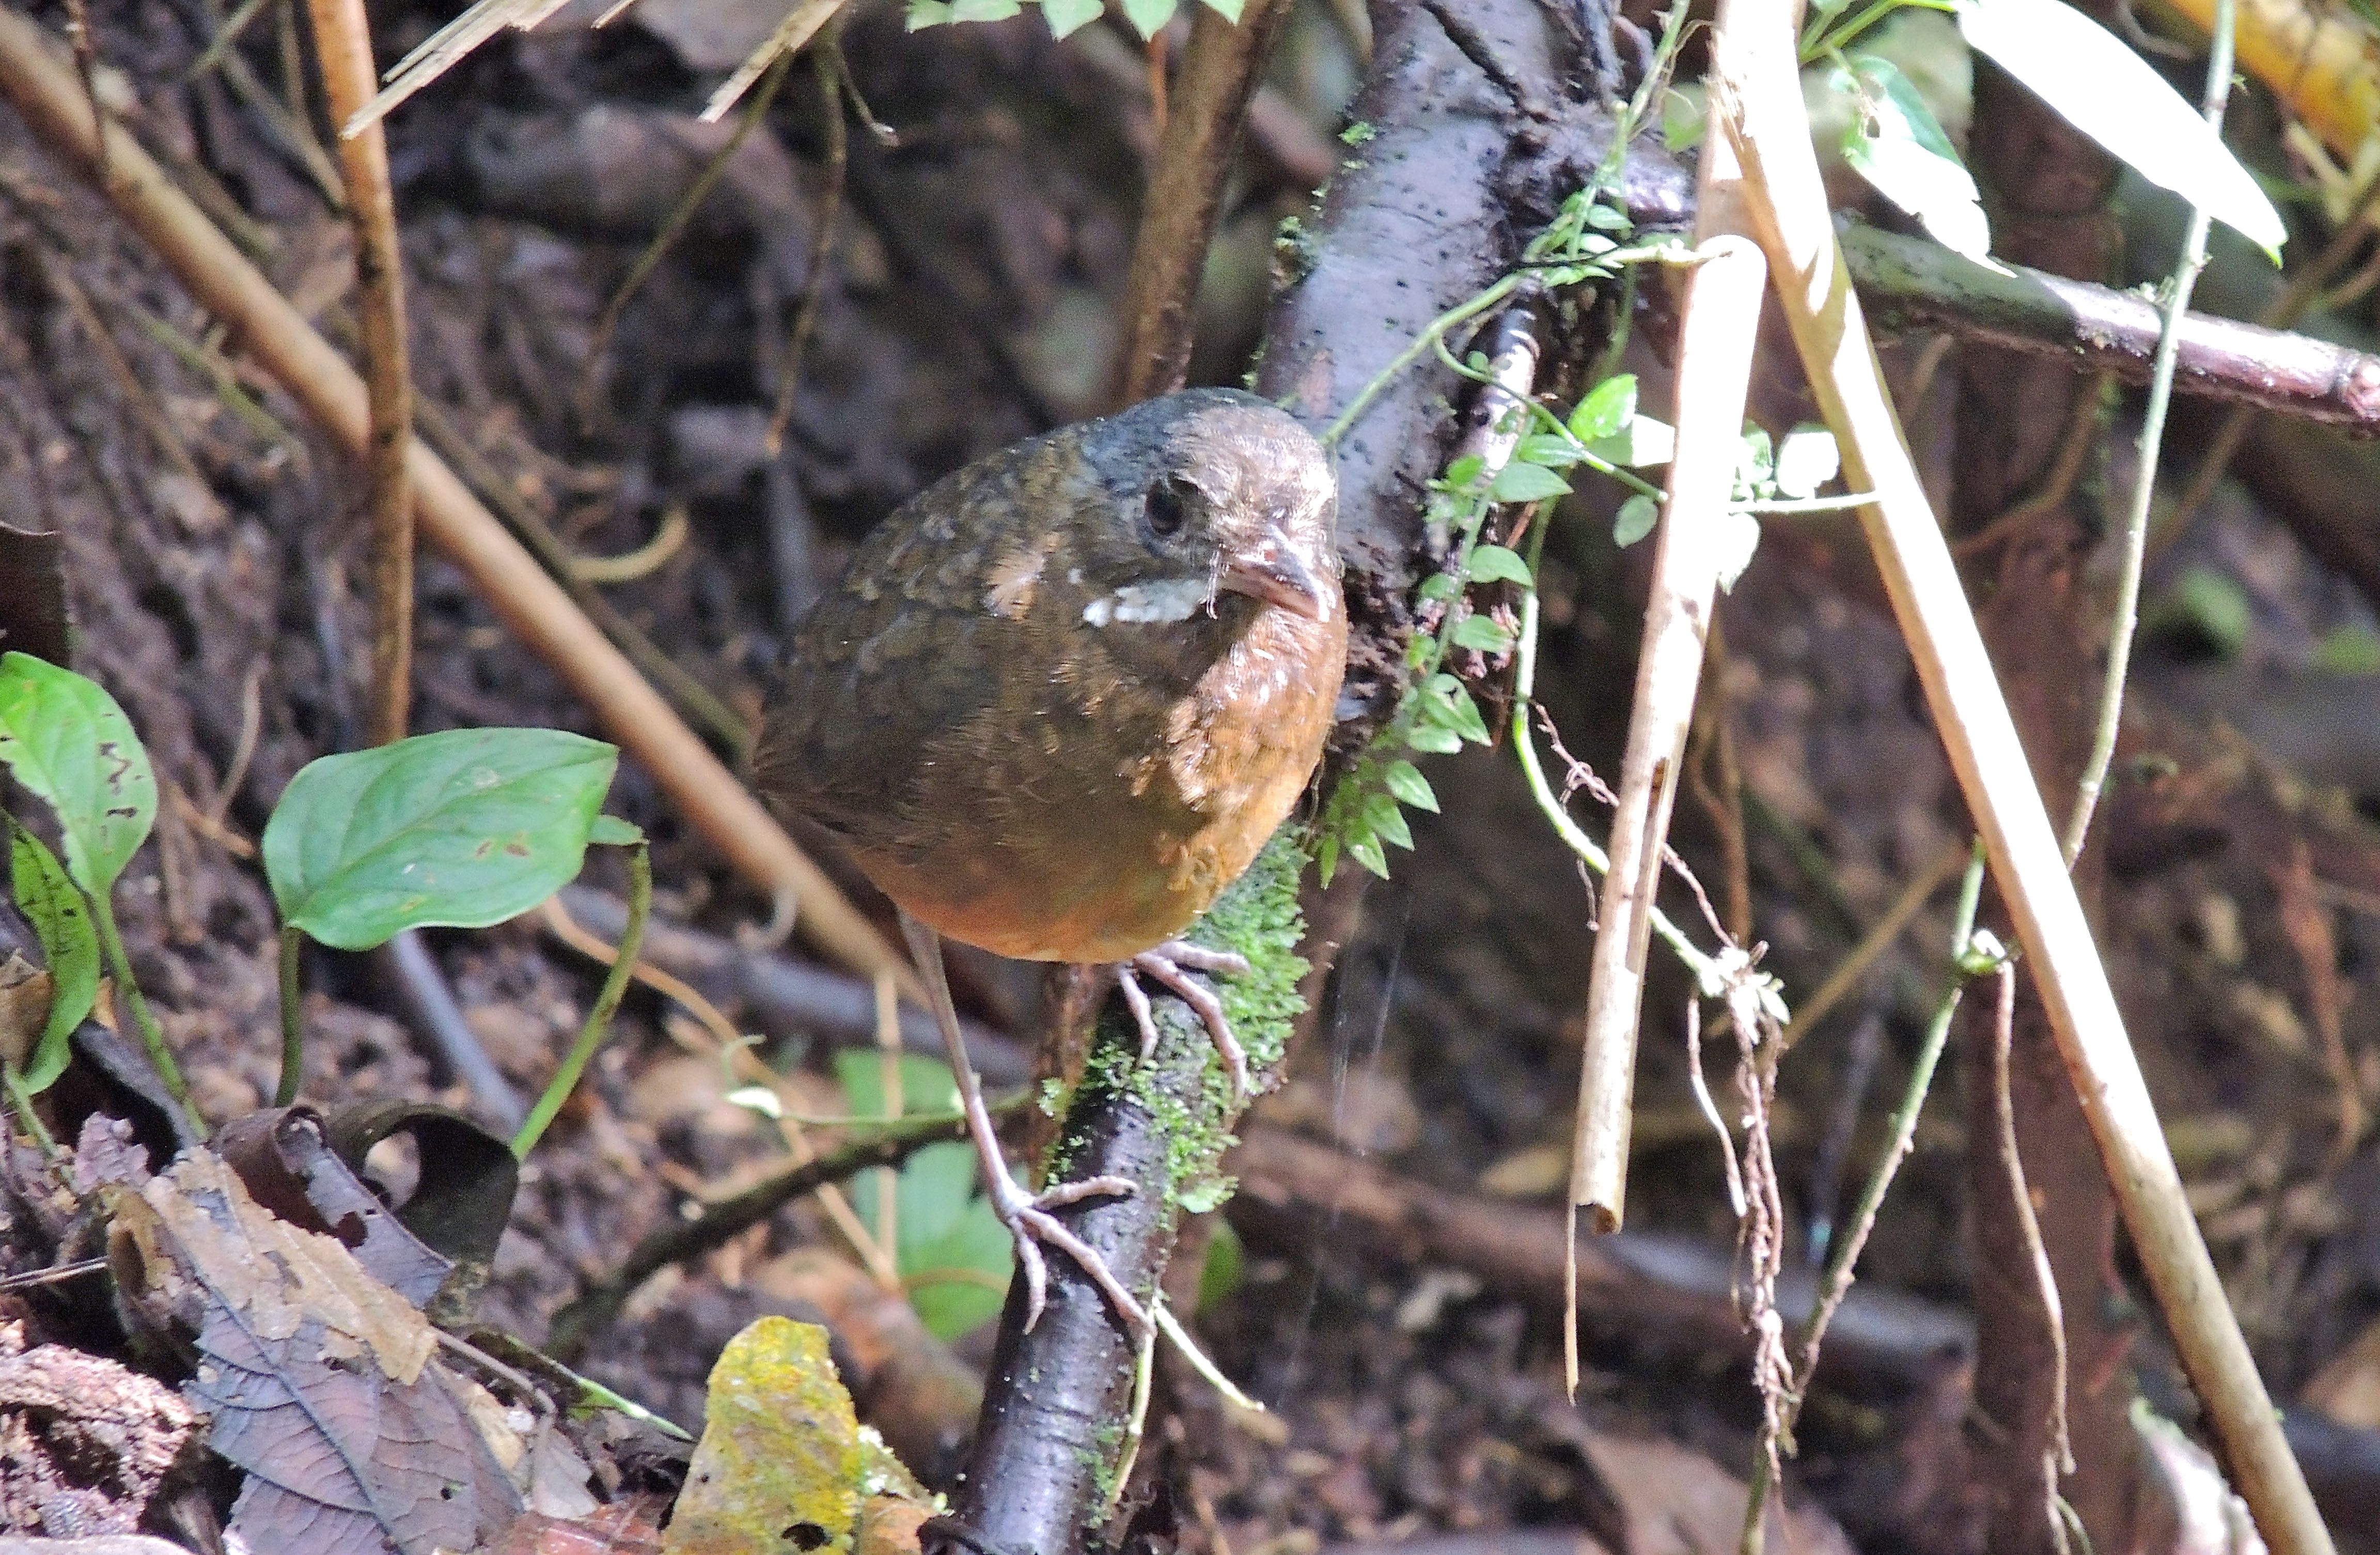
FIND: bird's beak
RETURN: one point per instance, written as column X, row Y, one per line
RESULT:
column 1270, row 571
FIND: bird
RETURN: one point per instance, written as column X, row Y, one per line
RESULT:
column 1060, row 699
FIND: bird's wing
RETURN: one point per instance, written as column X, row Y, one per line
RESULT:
column 912, row 645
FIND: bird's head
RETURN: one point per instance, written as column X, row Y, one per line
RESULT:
column 1208, row 503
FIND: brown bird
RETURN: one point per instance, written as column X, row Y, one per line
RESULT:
column 1060, row 700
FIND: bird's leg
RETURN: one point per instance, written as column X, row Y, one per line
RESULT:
column 1171, row 963
column 1027, row 1217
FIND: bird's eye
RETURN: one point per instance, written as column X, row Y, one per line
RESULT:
column 1168, row 506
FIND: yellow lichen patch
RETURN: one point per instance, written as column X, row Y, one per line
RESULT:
column 780, row 1465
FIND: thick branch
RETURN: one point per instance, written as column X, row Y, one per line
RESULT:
column 1908, row 283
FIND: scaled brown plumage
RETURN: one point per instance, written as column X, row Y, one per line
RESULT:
column 1045, row 728
column 1062, row 697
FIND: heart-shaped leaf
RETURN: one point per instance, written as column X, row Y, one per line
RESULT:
column 71, row 745
column 460, row 829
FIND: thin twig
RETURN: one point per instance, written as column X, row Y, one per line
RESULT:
column 342, row 42
column 1849, row 971
column 834, row 72
column 2053, row 1311
column 2136, row 519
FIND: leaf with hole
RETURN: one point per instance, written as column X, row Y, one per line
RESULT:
column 61, row 919
column 2097, row 84
column 71, row 747
column 460, row 829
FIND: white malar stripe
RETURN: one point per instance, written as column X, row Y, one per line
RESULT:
column 1171, row 599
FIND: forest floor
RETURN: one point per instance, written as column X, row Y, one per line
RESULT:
column 214, row 561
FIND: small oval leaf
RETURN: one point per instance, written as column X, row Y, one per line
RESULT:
column 1634, row 520
column 71, row 745
column 1479, row 633
column 1526, row 483
column 1495, row 563
column 459, row 830
column 1404, row 780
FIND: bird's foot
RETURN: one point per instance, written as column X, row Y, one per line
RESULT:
column 1028, row 1220
column 1171, row 963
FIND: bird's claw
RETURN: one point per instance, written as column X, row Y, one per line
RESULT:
column 1028, row 1221
column 1171, row 963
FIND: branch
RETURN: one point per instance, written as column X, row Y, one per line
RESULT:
column 1909, row 283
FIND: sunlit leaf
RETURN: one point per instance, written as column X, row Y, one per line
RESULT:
column 1148, row 16
column 1645, row 441
column 1806, row 460
column 1607, row 408
column 2096, row 81
column 1065, row 17
column 1903, row 153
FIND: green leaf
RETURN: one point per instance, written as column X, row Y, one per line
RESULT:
column 1405, row 779
column 462, row 829
column 952, row 1253
column 1148, row 16
column 62, row 920
column 1685, row 117
column 984, row 10
column 1545, row 448
column 2096, row 81
column 1226, row 1258
column 1897, row 146
column 1518, row 483
column 1644, row 440
column 1367, row 851
column 1481, row 633
column 1607, row 408
column 1228, row 10
column 1494, row 563
column 1636, row 520
column 2348, row 651
column 1387, row 821
column 1609, row 218
column 1463, row 712
column 926, row 1083
column 1438, row 587
column 1064, row 17
column 1325, row 858
column 923, row 14
column 1806, row 460
column 1436, row 739
column 71, row 745
column 609, row 831
column 1464, row 470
